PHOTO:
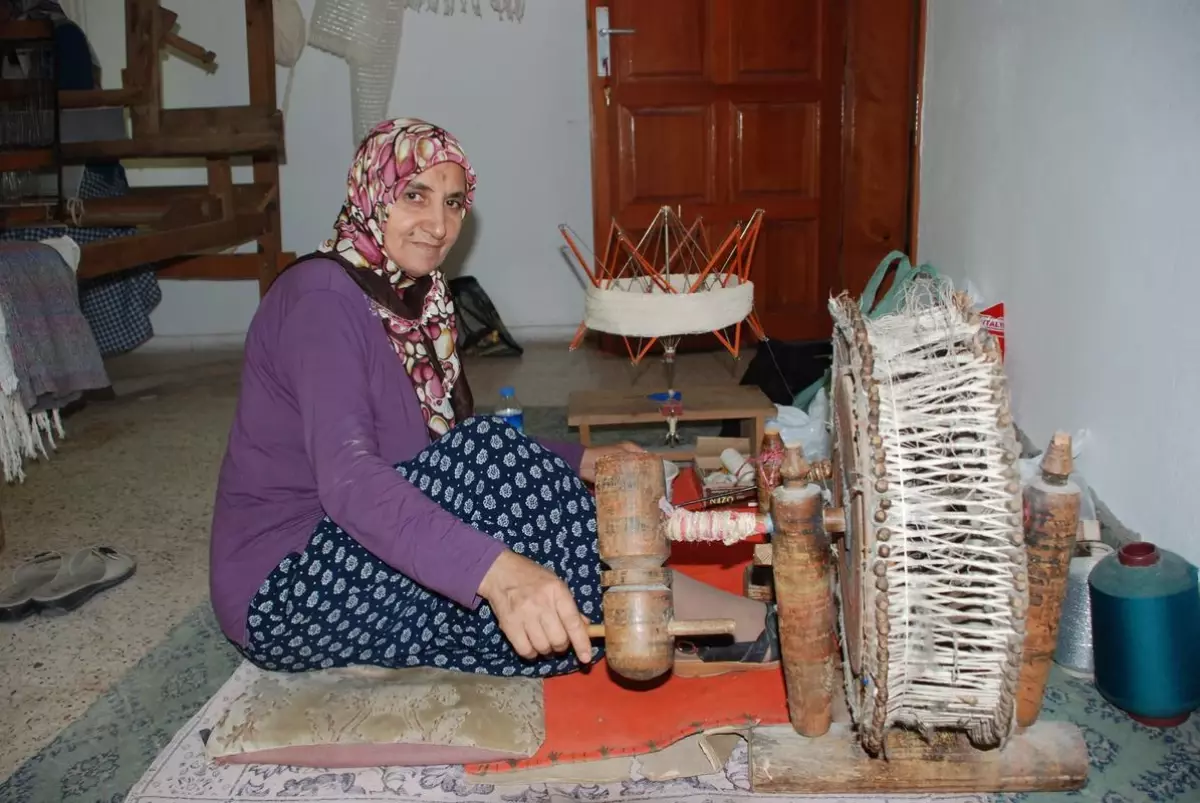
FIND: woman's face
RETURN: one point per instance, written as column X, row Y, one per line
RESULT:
column 424, row 222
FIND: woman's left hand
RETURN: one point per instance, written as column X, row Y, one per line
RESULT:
column 587, row 467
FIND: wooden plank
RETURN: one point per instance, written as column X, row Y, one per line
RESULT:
column 203, row 57
column 219, row 267
column 605, row 407
column 25, row 89
column 220, row 183
column 30, row 159
column 260, row 55
column 15, row 30
column 195, row 144
column 143, row 68
column 142, row 206
column 97, row 98
column 1049, row 756
column 121, row 253
column 240, row 119
column 121, row 211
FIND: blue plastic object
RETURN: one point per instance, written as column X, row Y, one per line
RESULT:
column 663, row 398
column 1146, row 633
column 510, row 410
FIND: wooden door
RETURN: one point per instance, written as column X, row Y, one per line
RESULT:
column 721, row 107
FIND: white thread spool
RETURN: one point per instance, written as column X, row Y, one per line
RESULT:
column 737, row 464
column 1073, row 652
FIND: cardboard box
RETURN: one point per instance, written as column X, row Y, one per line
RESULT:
column 993, row 321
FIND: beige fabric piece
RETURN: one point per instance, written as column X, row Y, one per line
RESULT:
column 366, row 717
column 694, row 756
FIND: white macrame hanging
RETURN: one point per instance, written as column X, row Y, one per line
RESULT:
column 366, row 33
column 507, row 9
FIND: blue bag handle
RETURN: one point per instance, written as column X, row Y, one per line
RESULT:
column 873, row 307
column 905, row 273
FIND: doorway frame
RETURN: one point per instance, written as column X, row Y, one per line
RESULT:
column 885, row 52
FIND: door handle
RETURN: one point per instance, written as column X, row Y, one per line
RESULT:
column 603, row 33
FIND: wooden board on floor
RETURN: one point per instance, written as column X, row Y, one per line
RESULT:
column 1049, row 756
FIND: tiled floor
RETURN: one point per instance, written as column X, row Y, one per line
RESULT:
column 139, row 473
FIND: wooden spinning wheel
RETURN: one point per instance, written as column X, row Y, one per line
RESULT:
column 927, row 614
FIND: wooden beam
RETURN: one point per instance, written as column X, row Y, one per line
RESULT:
column 112, row 256
column 220, row 182
column 165, row 146
column 143, row 69
column 220, row 267
column 97, row 98
column 171, row 206
column 23, row 90
column 260, row 54
column 122, row 211
column 31, row 159
column 1049, row 756
column 17, row 30
column 221, row 119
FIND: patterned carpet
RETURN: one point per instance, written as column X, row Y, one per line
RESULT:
column 97, row 758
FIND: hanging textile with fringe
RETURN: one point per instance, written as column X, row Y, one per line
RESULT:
column 48, row 355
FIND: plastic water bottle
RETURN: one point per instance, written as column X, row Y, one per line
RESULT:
column 510, row 409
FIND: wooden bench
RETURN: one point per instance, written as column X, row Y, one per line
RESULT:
column 598, row 408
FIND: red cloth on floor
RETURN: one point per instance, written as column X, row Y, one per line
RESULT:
column 593, row 715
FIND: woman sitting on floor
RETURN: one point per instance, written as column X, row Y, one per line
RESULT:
column 364, row 514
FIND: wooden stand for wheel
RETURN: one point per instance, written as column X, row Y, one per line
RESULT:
column 820, row 752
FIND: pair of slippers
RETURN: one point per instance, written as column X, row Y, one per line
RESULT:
column 52, row 584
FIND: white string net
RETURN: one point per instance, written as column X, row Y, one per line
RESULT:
column 940, row 573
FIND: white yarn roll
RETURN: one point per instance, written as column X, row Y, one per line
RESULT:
column 627, row 308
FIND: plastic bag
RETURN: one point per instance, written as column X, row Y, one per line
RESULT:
column 809, row 429
column 1030, row 467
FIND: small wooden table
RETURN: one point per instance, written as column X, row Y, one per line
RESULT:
column 597, row 408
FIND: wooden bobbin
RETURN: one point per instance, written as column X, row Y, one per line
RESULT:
column 638, row 608
column 807, row 638
column 1051, row 503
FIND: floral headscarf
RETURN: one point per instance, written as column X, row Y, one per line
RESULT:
column 418, row 314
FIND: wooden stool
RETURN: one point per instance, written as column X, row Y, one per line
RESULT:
column 597, row 408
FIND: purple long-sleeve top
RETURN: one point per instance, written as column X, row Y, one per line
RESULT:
column 325, row 412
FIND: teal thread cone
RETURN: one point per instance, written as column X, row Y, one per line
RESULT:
column 1146, row 633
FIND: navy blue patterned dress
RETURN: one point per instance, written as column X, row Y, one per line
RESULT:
column 335, row 604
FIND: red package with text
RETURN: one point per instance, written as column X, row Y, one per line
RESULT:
column 993, row 321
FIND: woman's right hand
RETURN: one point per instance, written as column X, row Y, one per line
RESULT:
column 534, row 608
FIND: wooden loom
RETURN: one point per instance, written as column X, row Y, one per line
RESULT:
column 838, row 573
column 180, row 228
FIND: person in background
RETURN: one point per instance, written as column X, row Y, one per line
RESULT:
column 365, row 515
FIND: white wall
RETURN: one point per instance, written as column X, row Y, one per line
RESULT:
column 1059, row 169
column 514, row 93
